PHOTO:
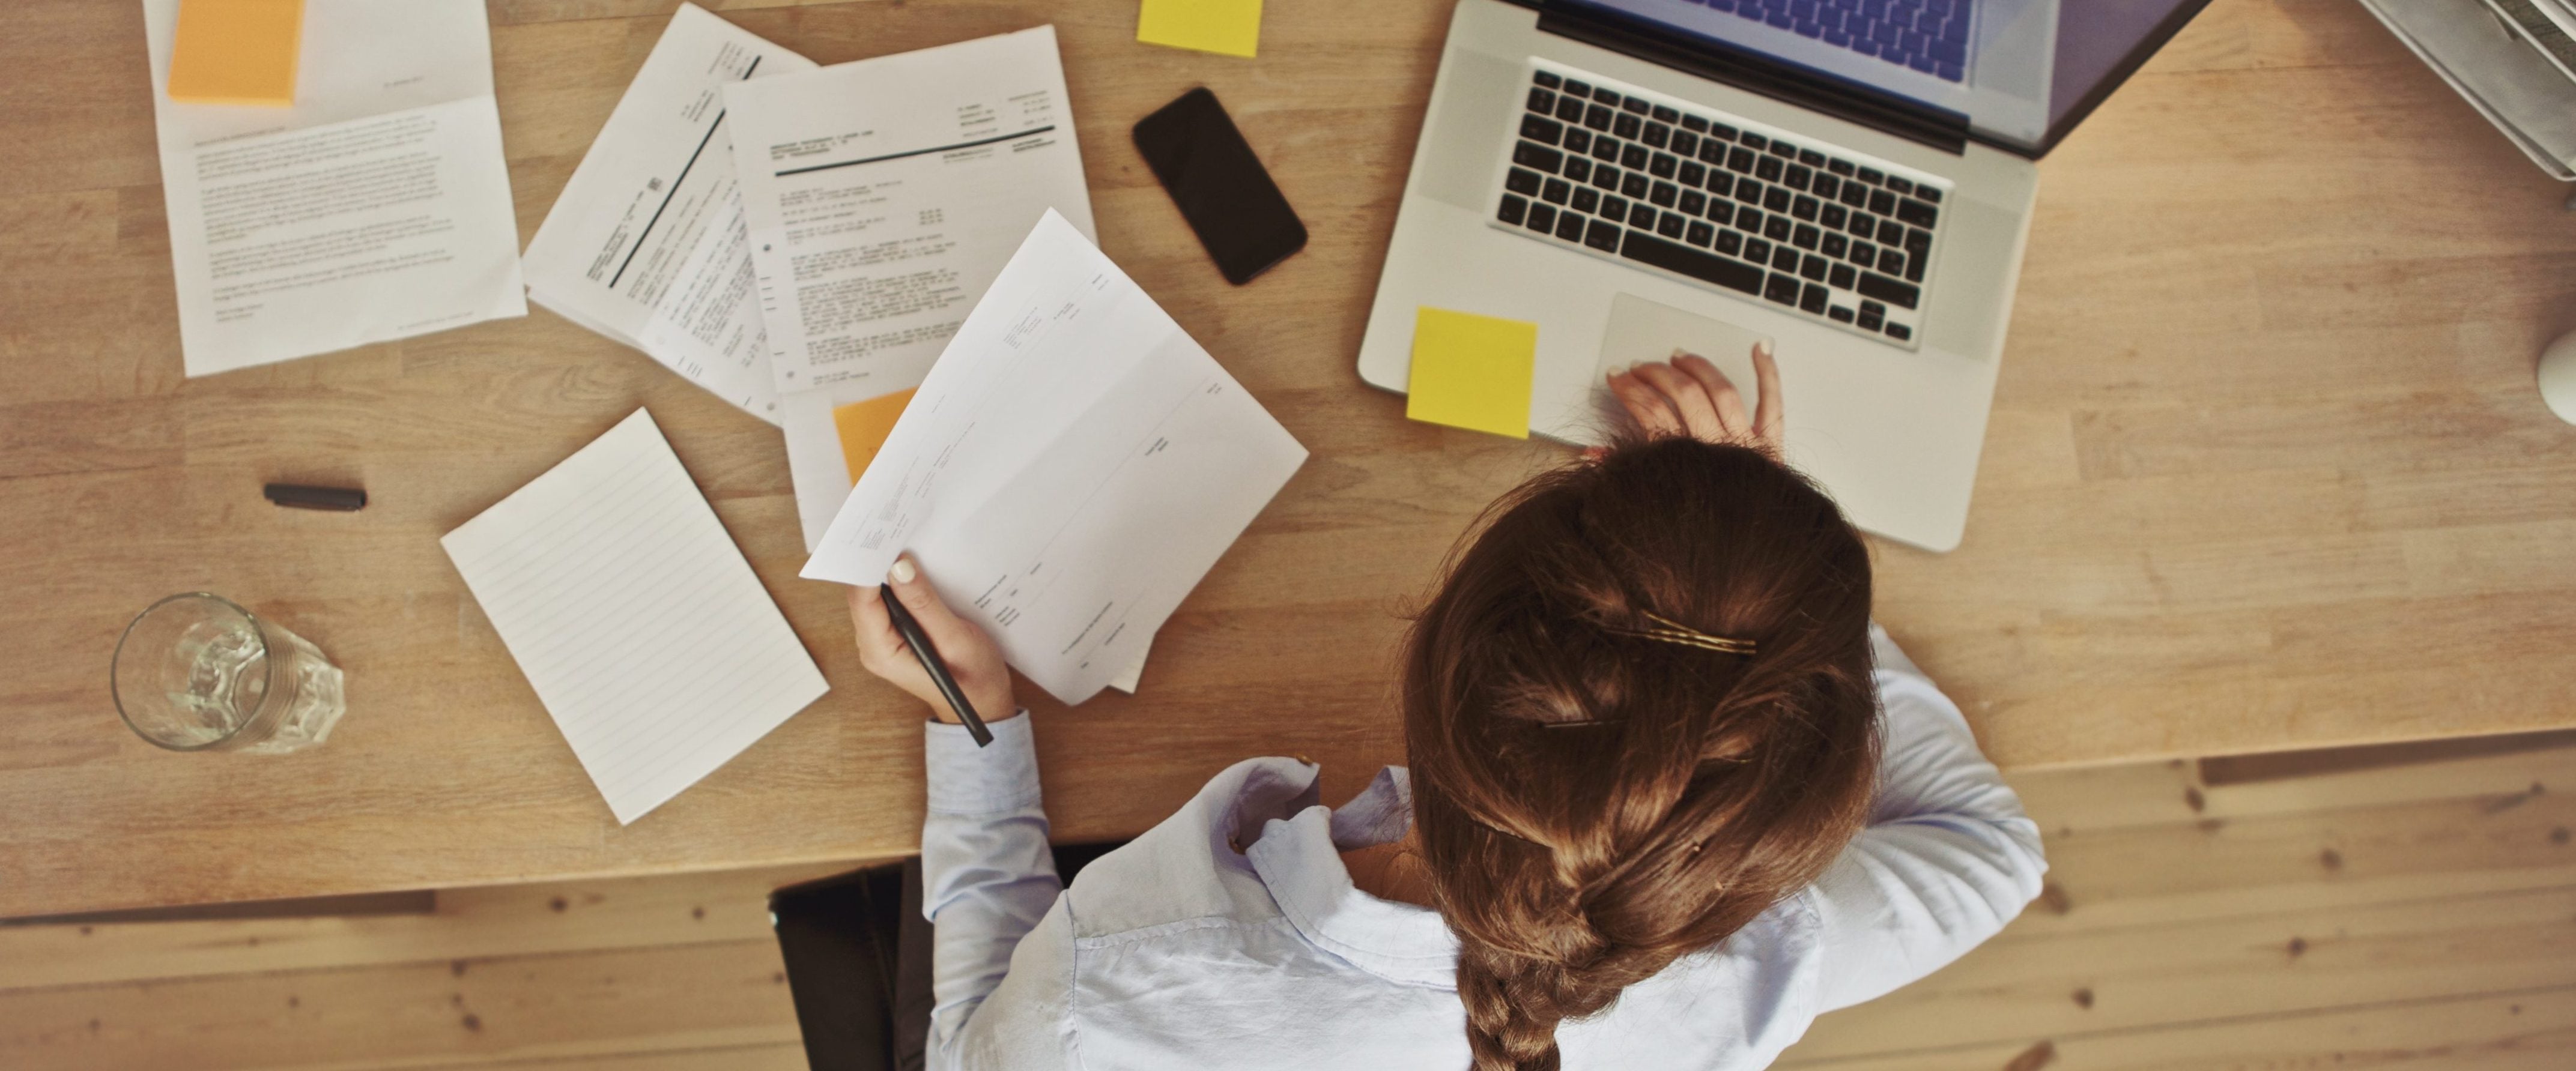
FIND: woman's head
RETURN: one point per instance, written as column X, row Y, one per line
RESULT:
column 1594, row 803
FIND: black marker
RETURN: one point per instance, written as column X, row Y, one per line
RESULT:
column 931, row 662
column 341, row 499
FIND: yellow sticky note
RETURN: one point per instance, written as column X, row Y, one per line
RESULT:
column 864, row 427
column 1229, row 27
column 236, row 52
column 1472, row 371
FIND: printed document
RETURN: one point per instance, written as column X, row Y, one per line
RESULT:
column 377, row 207
column 647, row 244
column 884, row 194
column 1068, row 471
column 644, row 632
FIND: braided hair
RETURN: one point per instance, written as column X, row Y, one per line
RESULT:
column 1594, row 802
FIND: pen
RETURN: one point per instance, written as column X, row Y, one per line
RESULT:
column 342, row 499
column 930, row 662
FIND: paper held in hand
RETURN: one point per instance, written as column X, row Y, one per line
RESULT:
column 1070, row 469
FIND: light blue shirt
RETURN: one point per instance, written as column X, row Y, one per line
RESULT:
column 1179, row 953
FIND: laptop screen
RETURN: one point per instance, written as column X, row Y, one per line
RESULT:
column 2021, row 72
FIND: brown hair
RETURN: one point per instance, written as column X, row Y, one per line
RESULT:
column 1594, row 804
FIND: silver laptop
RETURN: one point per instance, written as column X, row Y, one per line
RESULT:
column 1850, row 180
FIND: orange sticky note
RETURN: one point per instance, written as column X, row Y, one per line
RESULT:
column 864, row 427
column 1472, row 371
column 236, row 52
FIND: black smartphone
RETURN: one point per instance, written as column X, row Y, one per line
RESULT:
column 1220, row 186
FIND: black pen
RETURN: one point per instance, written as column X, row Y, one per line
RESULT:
column 931, row 662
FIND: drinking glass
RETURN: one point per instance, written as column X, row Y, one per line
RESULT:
column 195, row 672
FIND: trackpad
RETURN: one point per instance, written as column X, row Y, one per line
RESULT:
column 1642, row 330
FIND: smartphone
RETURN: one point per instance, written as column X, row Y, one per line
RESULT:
column 1221, row 188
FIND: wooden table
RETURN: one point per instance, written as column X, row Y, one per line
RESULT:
column 2267, row 466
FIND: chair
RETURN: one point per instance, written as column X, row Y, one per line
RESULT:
column 858, row 961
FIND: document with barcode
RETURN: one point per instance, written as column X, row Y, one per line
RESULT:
column 635, row 617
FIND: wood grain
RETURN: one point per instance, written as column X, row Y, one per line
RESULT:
column 2266, row 470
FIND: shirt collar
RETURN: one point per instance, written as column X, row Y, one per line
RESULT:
column 1299, row 858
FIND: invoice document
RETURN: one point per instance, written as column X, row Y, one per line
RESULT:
column 377, row 207
column 647, row 243
column 1070, row 468
column 884, row 194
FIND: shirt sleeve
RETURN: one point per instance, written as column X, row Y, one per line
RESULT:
column 1948, row 857
column 987, row 875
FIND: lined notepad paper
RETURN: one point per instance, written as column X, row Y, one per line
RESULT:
column 645, row 633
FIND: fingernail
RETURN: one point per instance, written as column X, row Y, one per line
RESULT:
column 903, row 572
column 1763, row 348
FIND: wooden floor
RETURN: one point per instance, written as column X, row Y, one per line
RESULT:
column 2409, row 918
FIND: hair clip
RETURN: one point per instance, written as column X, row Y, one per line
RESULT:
column 1670, row 631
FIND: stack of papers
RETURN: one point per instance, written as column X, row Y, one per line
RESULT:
column 377, row 207
column 2501, row 66
column 647, row 244
column 643, row 630
column 1071, row 468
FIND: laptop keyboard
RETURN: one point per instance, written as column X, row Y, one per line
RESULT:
column 1930, row 36
column 1735, row 205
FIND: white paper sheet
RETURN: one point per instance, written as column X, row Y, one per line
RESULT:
column 884, row 194
column 1070, row 469
column 644, row 632
column 647, row 243
column 378, row 207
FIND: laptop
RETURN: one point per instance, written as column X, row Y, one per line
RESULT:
column 1849, row 180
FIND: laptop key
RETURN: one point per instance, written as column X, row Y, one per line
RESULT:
column 1578, row 89
column 1547, row 80
column 1586, row 199
column 1872, row 175
column 1768, row 169
column 1597, row 117
column 1749, row 192
column 1542, row 218
column 1721, row 132
column 1613, row 207
column 1749, row 221
column 1755, row 142
column 1693, row 203
column 1577, row 169
column 1634, row 105
column 1835, row 244
column 1757, row 250
column 1863, row 254
column 1556, row 191
column 1633, row 157
column 1781, row 288
column 1721, row 212
column 1531, row 154
column 1784, row 258
column 1694, row 124
column 1776, row 228
column 1855, row 195
column 1684, row 260
column 1670, row 226
column 1664, row 194
column 1663, row 114
column 1658, row 135
column 1826, row 187
column 1633, row 184
column 1776, row 199
column 1882, row 202
column 1692, row 173
column 1812, row 298
column 1627, row 126
column 1890, row 232
column 1569, row 227
column 1900, row 294
column 1841, row 314
column 1871, row 321
column 1806, row 236
column 1899, row 332
column 1685, row 144
column 1928, row 194
column 1542, row 101
column 1578, row 141
column 1605, row 177
column 1701, row 234
column 1663, row 165
column 1641, row 216
column 1730, row 243
column 1813, row 268
column 1569, row 109
column 1798, row 177
column 1721, row 183
column 1841, row 276
column 1833, row 218
column 1606, row 97
column 1602, row 235
column 1899, row 185
column 1521, row 182
column 1917, row 213
column 1840, row 167
column 1514, row 210
column 1918, row 253
column 1606, row 149
column 1891, row 261
column 1804, row 208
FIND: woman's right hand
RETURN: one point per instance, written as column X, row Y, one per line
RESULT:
column 1689, row 396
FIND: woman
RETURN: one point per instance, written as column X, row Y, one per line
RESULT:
column 1670, row 796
